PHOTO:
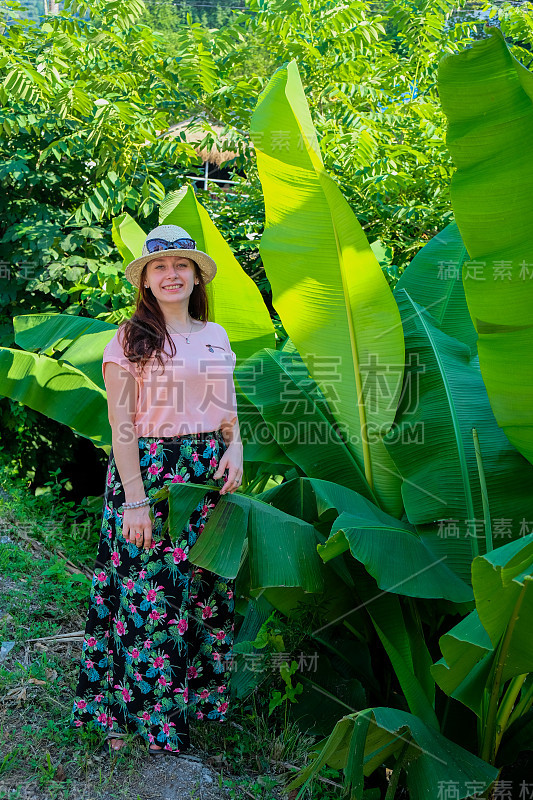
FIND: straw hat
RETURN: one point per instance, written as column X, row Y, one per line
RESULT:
column 167, row 236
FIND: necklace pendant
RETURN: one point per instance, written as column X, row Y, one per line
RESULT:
column 210, row 349
column 187, row 339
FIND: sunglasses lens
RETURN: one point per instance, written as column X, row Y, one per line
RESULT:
column 155, row 245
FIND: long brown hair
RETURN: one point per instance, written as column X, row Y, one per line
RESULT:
column 145, row 331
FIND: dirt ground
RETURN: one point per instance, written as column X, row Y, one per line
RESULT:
column 112, row 778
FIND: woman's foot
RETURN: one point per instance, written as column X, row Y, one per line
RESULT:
column 116, row 743
column 155, row 747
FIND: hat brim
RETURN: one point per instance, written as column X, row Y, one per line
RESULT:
column 205, row 263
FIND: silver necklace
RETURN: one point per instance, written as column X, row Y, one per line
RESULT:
column 186, row 336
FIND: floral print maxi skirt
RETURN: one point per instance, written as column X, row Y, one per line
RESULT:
column 159, row 632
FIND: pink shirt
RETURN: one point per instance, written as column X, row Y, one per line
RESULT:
column 194, row 394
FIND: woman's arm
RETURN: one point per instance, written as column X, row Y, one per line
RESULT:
column 121, row 403
column 231, row 432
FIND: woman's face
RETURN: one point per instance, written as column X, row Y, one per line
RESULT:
column 171, row 278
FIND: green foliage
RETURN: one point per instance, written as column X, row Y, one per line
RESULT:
column 290, row 692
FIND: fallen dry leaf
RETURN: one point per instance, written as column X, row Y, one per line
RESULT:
column 17, row 694
column 34, row 680
column 60, row 774
column 213, row 760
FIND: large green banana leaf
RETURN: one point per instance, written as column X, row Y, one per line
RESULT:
column 235, row 302
column 444, row 398
column 394, row 554
column 79, row 341
column 361, row 742
column 463, row 670
column 494, row 642
column 268, row 549
column 328, row 288
column 277, row 550
column 434, row 280
column 58, row 390
column 487, row 96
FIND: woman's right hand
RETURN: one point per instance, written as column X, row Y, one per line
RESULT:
column 137, row 520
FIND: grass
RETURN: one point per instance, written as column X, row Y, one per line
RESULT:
column 40, row 755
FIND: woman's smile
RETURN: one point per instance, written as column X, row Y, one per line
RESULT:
column 175, row 287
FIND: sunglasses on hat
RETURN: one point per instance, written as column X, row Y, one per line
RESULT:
column 155, row 245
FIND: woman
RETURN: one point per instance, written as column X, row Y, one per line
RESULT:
column 159, row 630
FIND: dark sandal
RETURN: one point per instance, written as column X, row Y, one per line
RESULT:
column 163, row 752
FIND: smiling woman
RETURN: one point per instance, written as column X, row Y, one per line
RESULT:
column 158, row 636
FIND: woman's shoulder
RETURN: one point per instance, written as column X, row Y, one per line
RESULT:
column 217, row 328
column 115, row 345
column 116, row 339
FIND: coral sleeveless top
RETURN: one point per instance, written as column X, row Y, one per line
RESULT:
column 195, row 392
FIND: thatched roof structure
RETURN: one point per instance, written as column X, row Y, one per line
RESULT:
column 195, row 130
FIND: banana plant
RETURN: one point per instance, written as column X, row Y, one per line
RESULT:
column 488, row 656
column 362, row 741
column 487, row 96
column 460, row 462
column 327, row 285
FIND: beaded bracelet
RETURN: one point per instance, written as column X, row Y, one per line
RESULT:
column 137, row 504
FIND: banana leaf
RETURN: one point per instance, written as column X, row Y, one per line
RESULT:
column 281, row 547
column 270, row 552
column 463, row 670
column 361, row 742
column 57, row 390
column 391, row 550
column 495, row 639
column 79, row 341
column 444, row 398
column 394, row 554
column 487, row 96
column 434, row 280
column 328, row 287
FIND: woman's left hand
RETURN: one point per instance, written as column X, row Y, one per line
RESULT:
column 232, row 460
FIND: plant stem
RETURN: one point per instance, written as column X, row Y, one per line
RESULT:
column 484, row 494
column 523, row 705
column 506, row 706
column 487, row 745
column 353, row 630
column 395, row 775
